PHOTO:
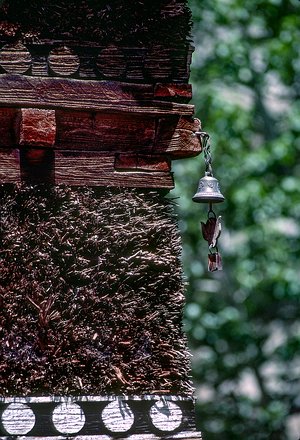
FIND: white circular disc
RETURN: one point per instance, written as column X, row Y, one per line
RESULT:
column 18, row 419
column 15, row 58
column 166, row 415
column 63, row 61
column 117, row 416
column 68, row 418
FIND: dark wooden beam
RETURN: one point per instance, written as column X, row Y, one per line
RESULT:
column 96, row 169
column 84, row 168
column 105, row 96
column 171, row 136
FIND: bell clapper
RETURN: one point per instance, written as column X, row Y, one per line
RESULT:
column 209, row 192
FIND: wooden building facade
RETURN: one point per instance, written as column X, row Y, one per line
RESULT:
column 93, row 109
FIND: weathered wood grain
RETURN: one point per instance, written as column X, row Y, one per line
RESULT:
column 111, row 62
column 173, row 91
column 189, row 123
column 173, row 136
column 148, row 63
column 142, row 162
column 94, row 169
column 9, row 166
column 158, row 63
column 40, row 66
column 104, row 131
column 74, row 94
column 97, row 131
column 63, row 61
column 37, row 127
column 37, row 165
column 180, row 142
column 15, row 58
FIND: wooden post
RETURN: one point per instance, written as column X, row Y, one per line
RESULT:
column 93, row 109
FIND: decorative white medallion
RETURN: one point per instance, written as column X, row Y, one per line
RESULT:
column 117, row 416
column 166, row 415
column 63, row 61
column 18, row 419
column 68, row 418
column 15, row 58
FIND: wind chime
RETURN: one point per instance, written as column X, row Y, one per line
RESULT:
column 209, row 192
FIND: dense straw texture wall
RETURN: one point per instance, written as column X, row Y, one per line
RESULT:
column 91, row 292
column 144, row 22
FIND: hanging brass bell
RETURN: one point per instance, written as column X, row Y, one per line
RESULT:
column 208, row 190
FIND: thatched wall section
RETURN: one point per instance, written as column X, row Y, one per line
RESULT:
column 91, row 292
column 138, row 23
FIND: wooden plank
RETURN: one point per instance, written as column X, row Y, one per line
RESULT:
column 173, row 91
column 94, row 169
column 35, row 166
column 9, row 166
column 189, row 123
column 116, row 62
column 142, row 162
column 63, row 61
column 15, row 58
column 180, row 142
column 24, row 91
column 104, row 131
column 111, row 62
column 158, row 63
column 37, row 127
column 173, row 136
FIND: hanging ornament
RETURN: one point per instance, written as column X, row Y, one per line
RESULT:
column 209, row 192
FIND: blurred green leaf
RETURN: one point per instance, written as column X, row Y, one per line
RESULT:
column 243, row 323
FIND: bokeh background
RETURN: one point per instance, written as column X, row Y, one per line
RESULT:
column 243, row 323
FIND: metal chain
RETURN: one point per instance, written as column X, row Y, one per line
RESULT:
column 206, row 151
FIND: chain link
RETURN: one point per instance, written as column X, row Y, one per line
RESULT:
column 206, row 151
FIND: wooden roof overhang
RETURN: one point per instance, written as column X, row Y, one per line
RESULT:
column 87, row 115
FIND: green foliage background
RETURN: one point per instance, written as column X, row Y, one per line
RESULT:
column 243, row 323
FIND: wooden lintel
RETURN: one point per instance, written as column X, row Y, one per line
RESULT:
column 173, row 91
column 172, row 136
column 105, row 96
column 115, row 132
column 81, row 168
column 97, row 170
column 142, row 162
